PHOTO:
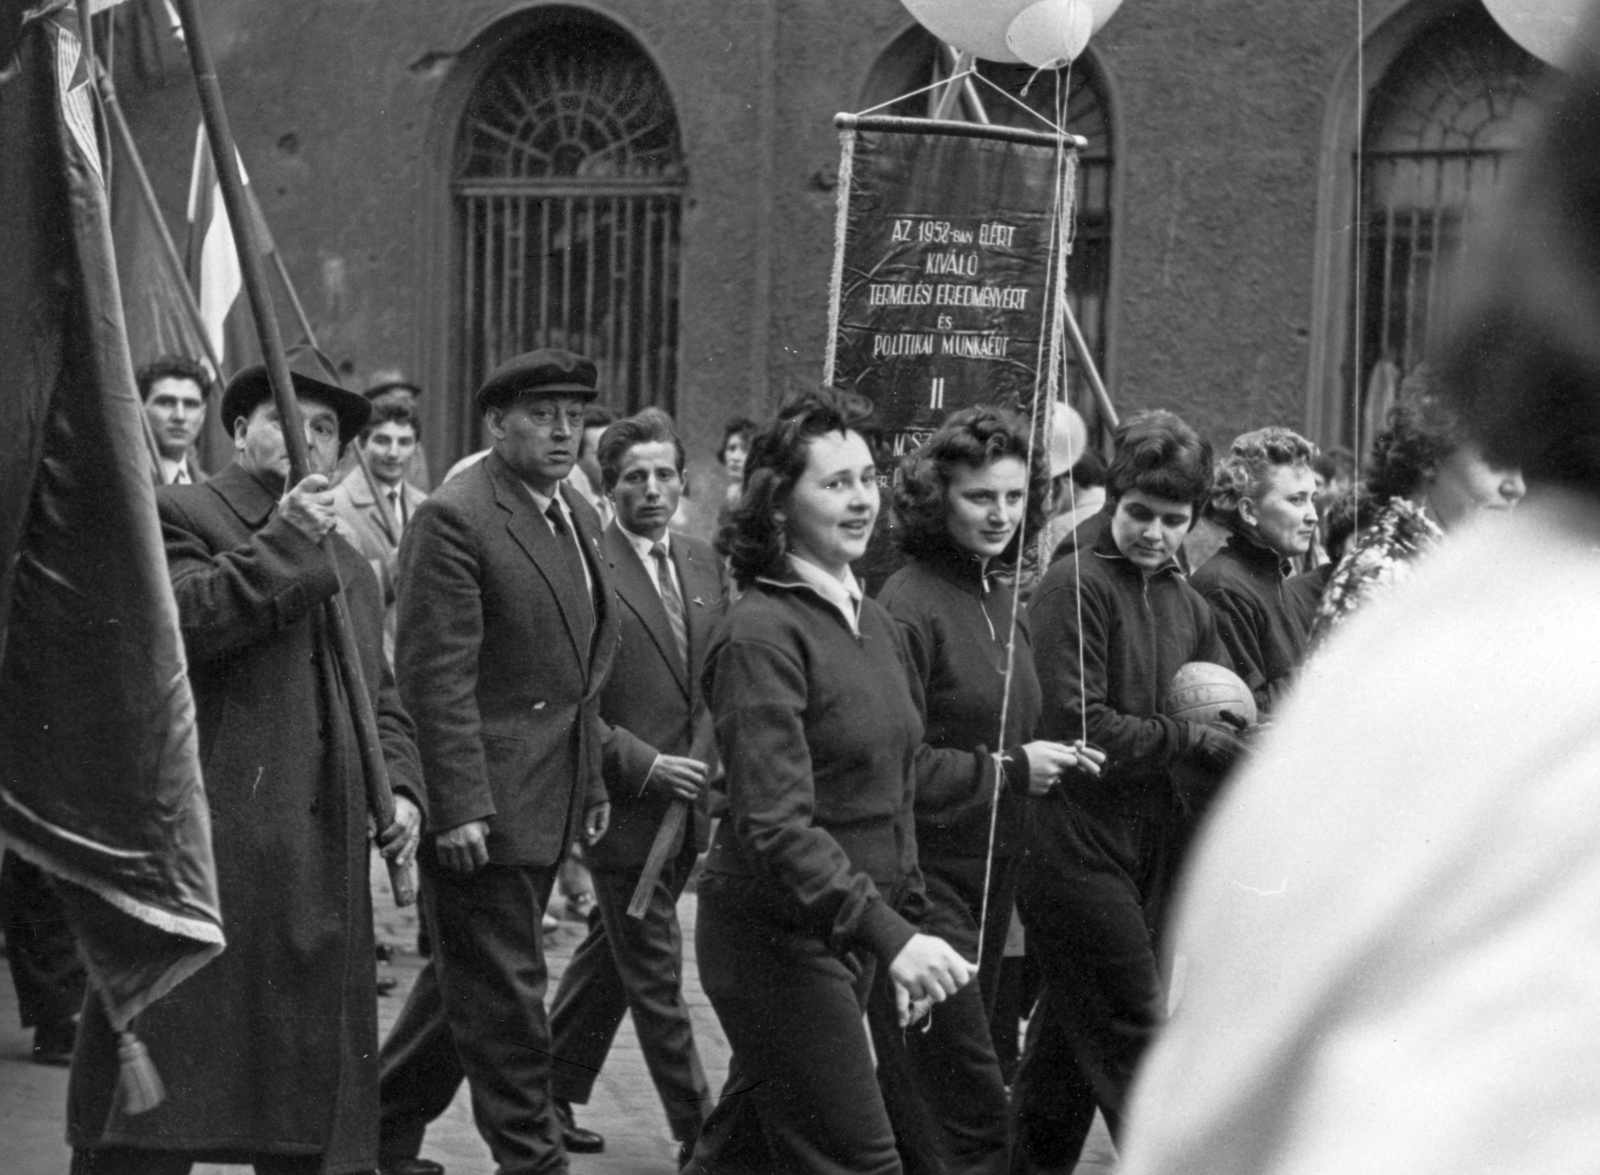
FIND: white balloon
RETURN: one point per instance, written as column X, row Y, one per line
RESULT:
column 1103, row 10
column 1546, row 28
column 1069, row 437
column 1050, row 33
column 972, row 26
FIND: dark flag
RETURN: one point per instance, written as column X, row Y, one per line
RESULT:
column 99, row 764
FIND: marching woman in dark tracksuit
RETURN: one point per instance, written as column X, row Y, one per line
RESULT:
column 812, row 881
column 961, row 503
column 1112, row 625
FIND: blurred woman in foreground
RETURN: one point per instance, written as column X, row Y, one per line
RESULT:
column 811, row 884
column 1391, row 925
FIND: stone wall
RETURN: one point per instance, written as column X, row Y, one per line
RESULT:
column 346, row 112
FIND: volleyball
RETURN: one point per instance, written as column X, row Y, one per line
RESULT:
column 1201, row 691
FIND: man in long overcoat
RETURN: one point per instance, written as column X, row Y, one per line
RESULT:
column 507, row 631
column 269, row 1054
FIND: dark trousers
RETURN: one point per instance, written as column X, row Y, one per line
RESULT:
column 489, row 960
column 941, row 1080
column 941, row 1085
column 801, row 1095
column 418, row 1070
column 128, row 1160
column 632, row 965
column 40, row 947
column 1091, row 896
column 1018, row 992
column 956, row 900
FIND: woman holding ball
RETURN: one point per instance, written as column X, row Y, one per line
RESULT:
column 812, row 882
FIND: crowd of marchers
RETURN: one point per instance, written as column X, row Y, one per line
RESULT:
column 950, row 801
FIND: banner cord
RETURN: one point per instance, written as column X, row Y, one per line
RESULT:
column 949, row 81
column 1061, row 219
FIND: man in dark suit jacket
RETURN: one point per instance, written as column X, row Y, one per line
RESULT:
column 507, row 630
column 658, row 752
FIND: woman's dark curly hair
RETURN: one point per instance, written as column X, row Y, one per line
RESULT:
column 968, row 439
column 1422, row 430
column 1158, row 454
column 752, row 538
column 1246, row 469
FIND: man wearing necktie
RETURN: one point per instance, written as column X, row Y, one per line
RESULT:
column 507, row 630
column 174, row 390
column 659, row 749
column 373, row 528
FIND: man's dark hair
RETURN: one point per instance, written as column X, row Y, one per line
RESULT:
column 968, row 439
column 172, row 367
column 739, row 426
column 1089, row 471
column 392, row 414
column 594, row 416
column 1158, row 454
column 753, row 538
column 648, row 427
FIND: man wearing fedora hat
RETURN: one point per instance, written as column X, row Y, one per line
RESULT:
column 269, row 1052
column 507, row 630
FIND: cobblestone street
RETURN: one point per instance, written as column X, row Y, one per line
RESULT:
column 625, row 1108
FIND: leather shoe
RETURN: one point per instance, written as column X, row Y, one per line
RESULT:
column 409, row 1167
column 575, row 1138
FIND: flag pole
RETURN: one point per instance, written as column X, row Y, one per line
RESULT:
column 391, row 529
column 224, row 156
column 147, row 193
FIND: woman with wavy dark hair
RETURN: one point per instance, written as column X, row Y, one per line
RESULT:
column 1427, row 476
column 812, row 883
column 968, row 501
column 1265, row 497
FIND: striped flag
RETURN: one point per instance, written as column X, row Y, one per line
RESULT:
column 211, row 259
column 210, row 256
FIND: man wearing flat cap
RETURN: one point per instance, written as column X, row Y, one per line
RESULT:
column 507, row 630
column 269, row 1053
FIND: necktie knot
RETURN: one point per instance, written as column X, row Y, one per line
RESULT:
column 557, row 523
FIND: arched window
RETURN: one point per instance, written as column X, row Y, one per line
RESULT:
column 916, row 59
column 568, row 181
column 1440, row 126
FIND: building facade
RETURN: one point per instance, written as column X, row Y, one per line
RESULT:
column 1265, row 214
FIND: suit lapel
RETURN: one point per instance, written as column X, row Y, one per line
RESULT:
column 635, row 588
column 588, row 523
column 533, row 534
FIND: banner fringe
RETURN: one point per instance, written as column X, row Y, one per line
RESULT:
column 841, row 222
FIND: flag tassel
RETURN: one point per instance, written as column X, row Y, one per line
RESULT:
column 138, row 1080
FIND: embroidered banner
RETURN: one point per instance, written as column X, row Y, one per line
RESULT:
column 942, row 266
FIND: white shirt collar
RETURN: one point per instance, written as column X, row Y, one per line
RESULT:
column 643, row 545
column 844, row 594
column 542, row 501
